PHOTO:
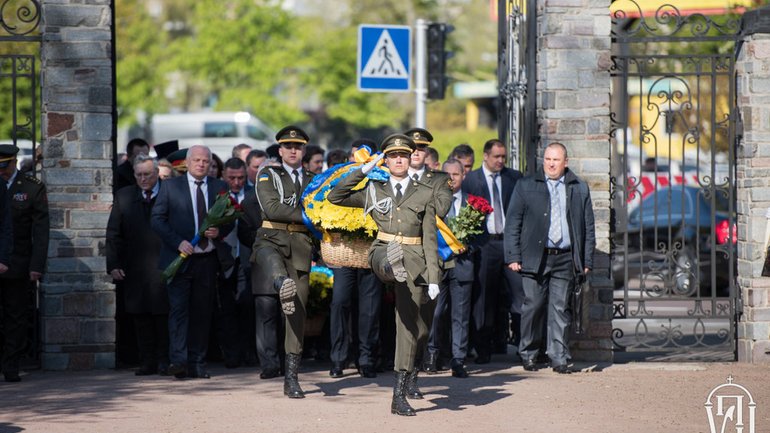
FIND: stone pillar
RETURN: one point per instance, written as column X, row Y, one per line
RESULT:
column 77, row 299
column 753, row 186
column 573, row 87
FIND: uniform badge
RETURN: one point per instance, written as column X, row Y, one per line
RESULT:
column 263, row 177
column 20, row 196
column 416, row 135
column 292, row 134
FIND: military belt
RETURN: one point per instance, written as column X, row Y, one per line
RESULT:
column 404, row 240
column 283, row 226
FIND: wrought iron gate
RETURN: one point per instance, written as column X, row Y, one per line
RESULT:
column 517, row 121
column 672, row 186
column 19, row 98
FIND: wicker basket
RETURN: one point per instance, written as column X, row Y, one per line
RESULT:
column 347, row 252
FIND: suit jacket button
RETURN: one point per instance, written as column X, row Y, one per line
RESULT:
column 398, row 208
column 399, row 220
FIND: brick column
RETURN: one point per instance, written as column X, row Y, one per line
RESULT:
column 753, row 186
column 573, row 86
column 77, row 299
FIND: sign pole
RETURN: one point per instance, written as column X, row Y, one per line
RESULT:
column 420, row 81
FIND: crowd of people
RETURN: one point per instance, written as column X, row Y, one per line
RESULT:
column 247, row 281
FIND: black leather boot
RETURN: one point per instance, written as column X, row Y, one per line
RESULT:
column 290, row 382
column 399, row 405
column 412, row 390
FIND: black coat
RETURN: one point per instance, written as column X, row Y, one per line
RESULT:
column 476, row 184
column 529, row 216
column 133, row 246
column 6, row 227
column 124, row 176
column 29, row 212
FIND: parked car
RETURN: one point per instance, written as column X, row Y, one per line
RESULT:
column 670, row 242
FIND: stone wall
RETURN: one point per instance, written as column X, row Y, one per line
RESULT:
column 753, row 191
column 573, row 87
column 77, row 299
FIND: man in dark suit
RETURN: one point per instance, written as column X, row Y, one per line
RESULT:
column 283, row 246
column 28, row 248
column 179, row 210
column 405, row 251
column 132, row 250
column 234, row 313
column 349, row 282
column 454, row 300
column 269, row 327
column 124, row 174
column 550, row 240
column 492, row 300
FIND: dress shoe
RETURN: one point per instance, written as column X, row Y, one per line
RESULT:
column 368, row 371
column 530, row 365
column 336, row 370
column 458, row 369
column 177, row 370
column 269, row 373
column 12, row 376
column 430, row 364
column 198, row 373
column 146, row 370
column 562, row 369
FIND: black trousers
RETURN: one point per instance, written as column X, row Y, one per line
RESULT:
column 152, row 339
column 363, row 285
column 269, row 330
column 234, row 316
column 191, row 301
column 15, row 306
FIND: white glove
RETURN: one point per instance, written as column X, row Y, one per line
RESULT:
column 369, row 166
column 433, row 290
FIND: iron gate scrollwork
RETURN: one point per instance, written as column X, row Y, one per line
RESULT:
column 20, row 41
column 673, row 184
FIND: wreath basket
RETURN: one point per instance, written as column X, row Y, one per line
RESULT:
column 344, row 251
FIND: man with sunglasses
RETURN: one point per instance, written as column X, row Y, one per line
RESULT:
column 283, row 247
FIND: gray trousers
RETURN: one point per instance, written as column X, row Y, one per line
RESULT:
column 551, row 288
column 454, row 301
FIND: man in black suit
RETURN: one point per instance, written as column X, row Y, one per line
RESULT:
column 234, row 313
column 454, row 300
column 179, row 210
column 132, row 250
column 347, row 283
column 491, row 300
column 23, row 253
column 550, row 240
column 124, row 174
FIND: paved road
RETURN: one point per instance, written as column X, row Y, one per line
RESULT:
column 498, row 397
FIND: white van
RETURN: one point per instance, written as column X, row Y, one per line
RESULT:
column 219, row 131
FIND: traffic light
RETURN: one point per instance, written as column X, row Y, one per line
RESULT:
column 437, row 57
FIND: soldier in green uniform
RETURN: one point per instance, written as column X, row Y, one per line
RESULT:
column 283, row 247
column 405, row 251
column 442, row 195
column 29, row 215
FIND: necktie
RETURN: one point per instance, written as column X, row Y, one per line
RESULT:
column 200, row 209
column 399, row 195
column 232, row 238
column 416, row 177
column 147, row 197
column 498, row 205
column 452, row 213
column 554, row 231
column 297, row 184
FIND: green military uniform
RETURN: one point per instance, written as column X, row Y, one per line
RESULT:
column 412, row 218
column 29, row 213
column 282, row 249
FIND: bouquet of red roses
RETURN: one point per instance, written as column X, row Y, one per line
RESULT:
column 469, row 221
column 224, row 211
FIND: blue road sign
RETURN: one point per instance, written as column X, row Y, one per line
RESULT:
column 384, row 54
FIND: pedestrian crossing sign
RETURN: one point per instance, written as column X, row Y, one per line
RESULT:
column 384, row 54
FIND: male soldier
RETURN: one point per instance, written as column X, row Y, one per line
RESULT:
column 29, row 214
column 405, row 251
column 442, row 194
column 283, row 246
